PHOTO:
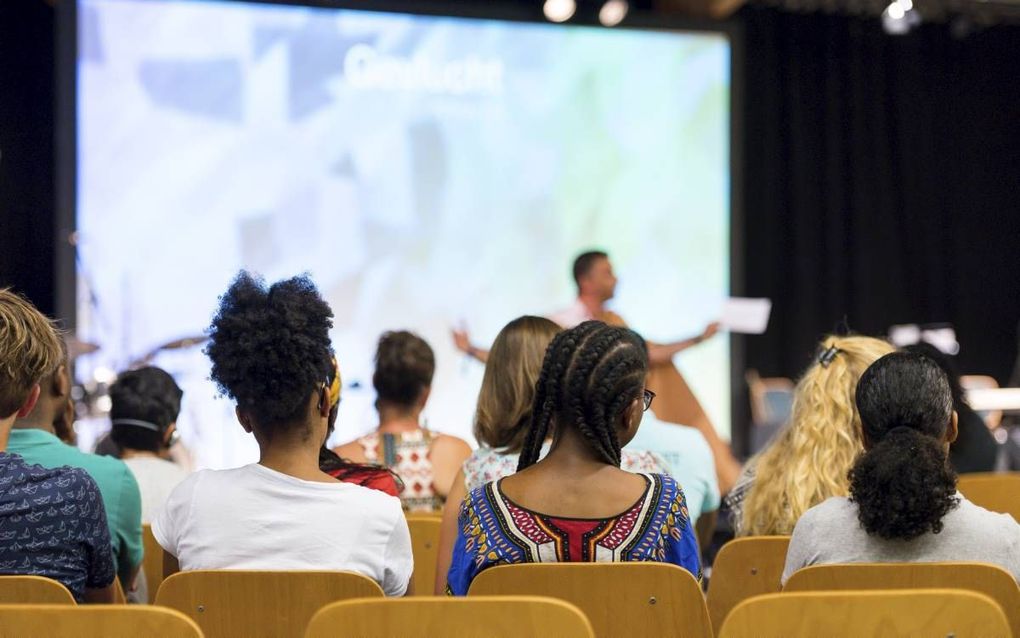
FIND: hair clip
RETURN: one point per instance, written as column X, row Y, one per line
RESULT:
column 826, row 357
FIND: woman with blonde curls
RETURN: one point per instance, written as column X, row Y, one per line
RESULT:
column 808, row 461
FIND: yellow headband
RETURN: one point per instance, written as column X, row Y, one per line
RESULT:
column 334, row 388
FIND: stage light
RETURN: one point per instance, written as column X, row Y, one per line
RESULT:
column 900, row 17
column 559, row 10
column 613, row 12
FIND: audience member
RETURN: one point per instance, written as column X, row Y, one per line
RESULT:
column 502, row 419
column 590, row 395
column 143, row 421
column 364, row 474
column 271, row 355
column 974, row 449
column 903, row 504
column 52, row 521
column 425, row 461
column 35, row 439
column 807, row 461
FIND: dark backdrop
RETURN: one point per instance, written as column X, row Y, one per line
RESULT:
column 880, row 178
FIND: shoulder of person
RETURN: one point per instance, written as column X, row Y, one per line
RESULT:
column 450, row 443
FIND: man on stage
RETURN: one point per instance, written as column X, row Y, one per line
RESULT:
column 596, row 285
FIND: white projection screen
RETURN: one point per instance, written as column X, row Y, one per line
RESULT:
column 426, row 171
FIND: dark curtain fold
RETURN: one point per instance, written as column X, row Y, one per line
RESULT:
column 881, row 183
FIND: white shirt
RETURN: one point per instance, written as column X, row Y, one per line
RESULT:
column 156, row 479
column 255, row 518
column 576, row 314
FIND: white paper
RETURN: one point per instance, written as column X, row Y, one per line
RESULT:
column 745, row 315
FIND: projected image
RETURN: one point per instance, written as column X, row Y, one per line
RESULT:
column 427, row 172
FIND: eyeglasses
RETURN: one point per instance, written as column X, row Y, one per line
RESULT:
column 647, row 398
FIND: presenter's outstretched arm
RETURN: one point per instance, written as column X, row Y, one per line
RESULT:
column 462, row 340
column 663, row 352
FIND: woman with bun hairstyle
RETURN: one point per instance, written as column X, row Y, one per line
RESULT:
column 271, row 356
column 426, row 461
column 903, row 504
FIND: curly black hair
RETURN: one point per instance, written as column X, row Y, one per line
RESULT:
column 149, row 396
column 903, row 484
column 590, row 375
column 404, row 365
column 270, row 348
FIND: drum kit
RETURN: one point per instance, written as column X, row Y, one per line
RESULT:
column 91, row 396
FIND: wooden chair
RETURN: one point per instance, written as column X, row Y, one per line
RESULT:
column 34, row 590
column 990, row 580
column 876, row 614
column 152, row 564
column 425, row 549
column 999, row 492
column 95, row 621
column 119, row 597
column 743, row 568
column 259, row 603
column 438, row 617
column 620, row 599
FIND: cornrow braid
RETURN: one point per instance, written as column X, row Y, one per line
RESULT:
column 547, row 390
column 589, row 376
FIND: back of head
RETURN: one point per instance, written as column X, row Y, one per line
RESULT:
column 30, row 349
column 903, row 484
column 144, row 404
column 270, row 348
column 948, row 366
column 404, row 365
column 590, row 375
column 508, row 386
column 584, row 263
column 808, row 460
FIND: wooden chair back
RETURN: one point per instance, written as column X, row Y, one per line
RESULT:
column 970, row 382
column 425, row 549
column 998, row 492
column 33, row 590
column 438, row 617
column 620, row 599
column 745, row 567
column 119, row 597
column 876, row 614
column 259, row 603
column 152, row 564
column 95, row 621
column 990, row 580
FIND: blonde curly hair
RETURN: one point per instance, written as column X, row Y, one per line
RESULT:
column 808, row 460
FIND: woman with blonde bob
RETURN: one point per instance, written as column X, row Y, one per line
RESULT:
column 808, row 461
column 502, row 421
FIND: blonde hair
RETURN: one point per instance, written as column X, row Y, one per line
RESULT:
column 508, row 386
column 809, row 459
column 30, row 349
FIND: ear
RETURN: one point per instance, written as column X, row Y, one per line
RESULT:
column 953, row 429
column 322, row 403
column 61, row 382
column 424, row 398
column 29, row 404
column 243, row 419
column 169, row 433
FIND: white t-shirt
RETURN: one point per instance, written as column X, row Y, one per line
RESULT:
column 156, row 479
column 255, row 518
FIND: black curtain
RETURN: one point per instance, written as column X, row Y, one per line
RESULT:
column 27, row 160
column 881, row 183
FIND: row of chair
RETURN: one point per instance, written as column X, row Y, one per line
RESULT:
column 616, row 598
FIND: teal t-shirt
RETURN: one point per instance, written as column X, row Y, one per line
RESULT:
column 117, row 485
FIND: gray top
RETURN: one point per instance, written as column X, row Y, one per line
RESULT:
column 831, row 533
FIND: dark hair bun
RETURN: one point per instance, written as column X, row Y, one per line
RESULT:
column 270, row 347
column 404, row 365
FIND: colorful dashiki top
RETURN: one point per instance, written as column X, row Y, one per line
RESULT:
column 493, row 530
column 486, row 464
column 407, row 454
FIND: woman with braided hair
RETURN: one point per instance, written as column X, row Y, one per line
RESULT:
column 576, row 504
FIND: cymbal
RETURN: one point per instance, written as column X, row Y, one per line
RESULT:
column 76, row 347
column 186, row 342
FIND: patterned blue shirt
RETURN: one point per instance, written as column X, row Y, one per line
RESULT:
column 53, row 524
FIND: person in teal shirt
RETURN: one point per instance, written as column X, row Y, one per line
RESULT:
column 34, row 438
